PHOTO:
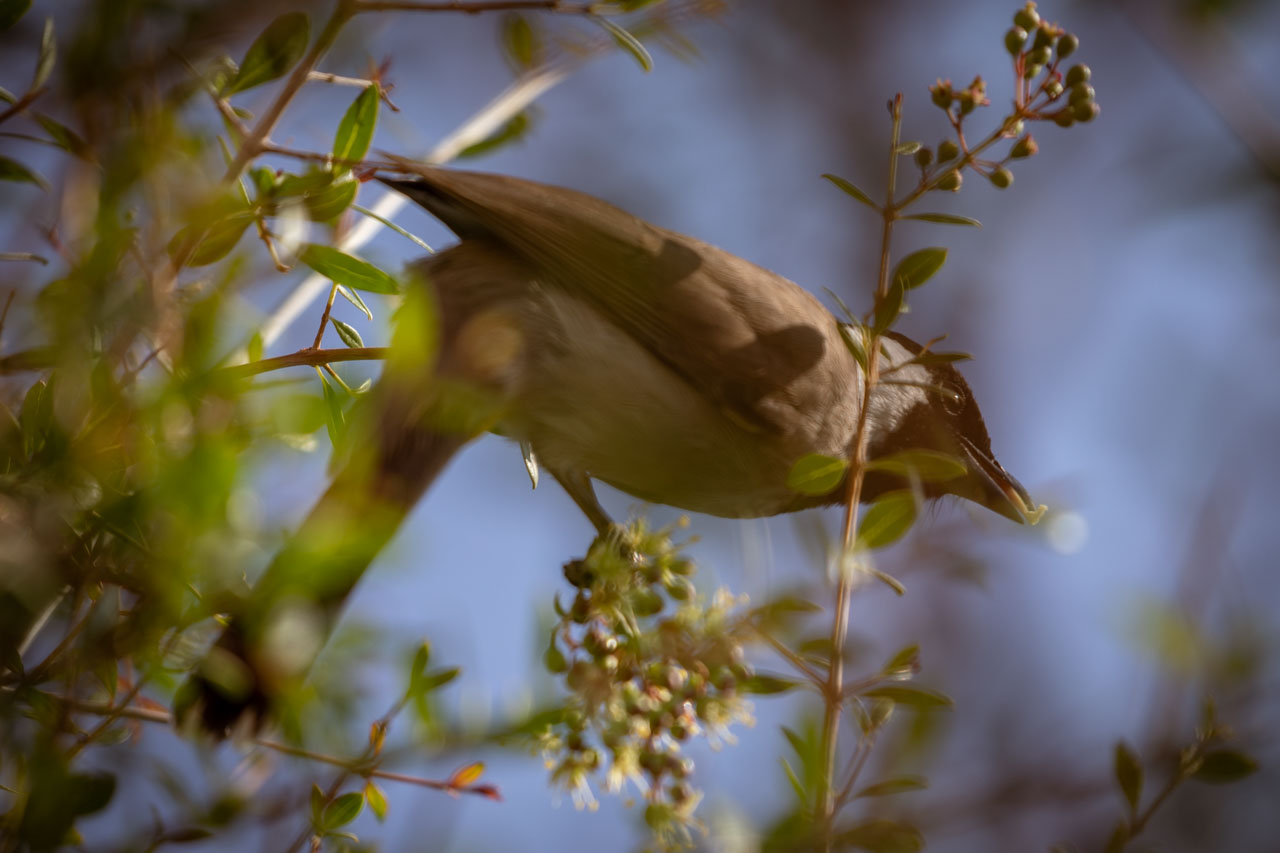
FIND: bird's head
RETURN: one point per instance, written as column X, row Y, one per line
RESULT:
column 928, row 406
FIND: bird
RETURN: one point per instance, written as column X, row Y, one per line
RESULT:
column 615, row 351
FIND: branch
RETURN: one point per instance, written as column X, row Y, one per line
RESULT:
column 477, row 7
column 306, row 357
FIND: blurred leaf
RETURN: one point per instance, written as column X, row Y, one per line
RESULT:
column 56, row 797
column 467, row 775
column 325, row 205
column 930, row 466
column 310, row 181
column 377, row 800
column 48, row 56
column 1128, row 770
column 927, row 358
column 36, row 416
column 217, row 241
column 918, row 267
column 881, row 836
column 1118, row 839
column 355, row 131
column 439, row 678
column 888, row 307
column 908, row 148
column 11, row 11
column 1225, row 766
column 627, row 42
column 795, row 782
column 354, row 298
column 63, row 136
column 349, row 335
column 254, row 348
column 887, row 520
column 337, row 421
column 517, row 127
column 896, row 785
column 12, row 170
column 342, row 811
column 520, row 42
column 851, row 190
column 273, row 53
column 912, row 697
column 346, row 269
column 944, row 219
column 907, row 658
column 317, row 804
column 768, row 685
column 816, row 474
column 24, row 256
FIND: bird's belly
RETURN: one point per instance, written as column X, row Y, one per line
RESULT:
column 594, row 401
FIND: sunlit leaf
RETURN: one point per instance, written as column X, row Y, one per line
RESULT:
column 347, row 333
column 342, row 811
column 887, row 520
column 354, row 298
column 216, row 240
column 918, row 267
column 627, row 42
column 514, row 129
column 377, row 800
column 816, row 474
column 273, row 53
column 467, row 775
column 355, row 131
column 852, row 190
column 346, row 269
column 325, row 205
column 520, row 42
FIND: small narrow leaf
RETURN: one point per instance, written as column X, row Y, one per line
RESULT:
column 1128, row 770
column 853, row 340
column 768, row 685
column 346, row 269
column 909, row 147
column 254, row 347
column 940, row 358
column 918, row 267
column 348, row 334
column 849, row 188
column 520, row 42
column 514, row 129
column 912, row 697
column 888, row 519
column 12, row 170
column 530, row 462
column 376, row 799
column 63, row 136
column 317, row 803
column 944, row 219
column 627, row 42
column 48, row 55
column 355, row 131
column 882, row 836
column 273, row 53
column 1225, row 766
column 816, row 474
column 894, row 786
column 342, row 811
column 467, row 775
column 354, row 298
column 440, row 678
column 905, row 660
column 337, row 421
column 24, row 256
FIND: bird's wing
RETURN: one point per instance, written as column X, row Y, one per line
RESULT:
column 754, row 343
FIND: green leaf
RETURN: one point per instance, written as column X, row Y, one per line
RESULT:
column 896, row 785
column 1225, row 766
column 851, row 190
column 325, row 205
column 882, row 836
column 418, row 668
column 888, row 307
column 909, row 148
column 931, row 466
column 795, row 782
column 12, row 170
column 217, row 241
column 355, row 131
column 24, row 256
column 337, row 422
column 912, row 697
column 853, row 340
column 1118, row 839
column 768, row 685
column 317, row 804
column 1128, row 770
column 348, row 334
column 342, row 811
column 63, row 136
column 927, row 358
column 36, row 416
column 627, row 42
column 346, row 269
column 918, row 267
column 520, row 42
column 48, row 56
column 904, row 660
column 887, row 520
column 11, row 11
column 273, row 53
column 311, row 181
column 816, row 474
column 377, row 800
column 517, row 127
column 254, row 347
column 354, row 298
column 944, row 219
column 440, row 678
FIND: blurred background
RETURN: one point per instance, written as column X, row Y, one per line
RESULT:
column 1121, row 301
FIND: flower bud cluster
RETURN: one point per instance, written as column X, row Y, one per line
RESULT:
column 649, row 665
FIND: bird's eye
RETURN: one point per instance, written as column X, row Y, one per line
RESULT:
column 952, row 399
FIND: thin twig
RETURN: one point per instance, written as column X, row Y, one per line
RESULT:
column 311, row 357
column 478, row 7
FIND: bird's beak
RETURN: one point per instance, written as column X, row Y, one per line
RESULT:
column 996, row 488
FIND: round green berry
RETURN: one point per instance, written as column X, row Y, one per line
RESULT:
column 947, row 150
column 1067, row 45
column 1002, row 178
column 1027, row 17
column 1014, row 40
column 1077, row 74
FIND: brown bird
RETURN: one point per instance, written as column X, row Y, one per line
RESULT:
column 617, row 351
